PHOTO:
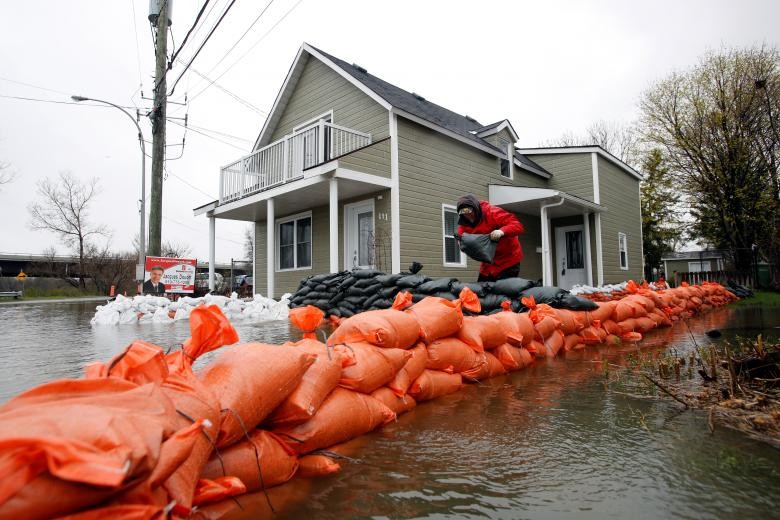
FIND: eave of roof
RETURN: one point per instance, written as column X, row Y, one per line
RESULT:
column 548, row 150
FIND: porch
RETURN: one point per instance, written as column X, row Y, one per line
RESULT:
column 286, row 159
column 570, row 243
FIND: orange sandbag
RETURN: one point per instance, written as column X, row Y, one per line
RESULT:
column 571, row 341
column 317, row 382
column 402, row 300
column 513, row 358
column 262, row 461
column 603, row 313
column 526, row 327
column 398, row 404
column 495, row 367
column 250, row 381
column 593, row 334
column 644, row 324
column 570, row 321
column 546, row 326
column 612, row 327
column 452, row 353
column 469, row 300
column 480, row 371
column 536, row 348
column 552, row 345
column 343, row 416
column 208, row 491
column 437, row 317
column 434, row 383
column 307, row 319
column 631, row 337
column 313, row 466
column 121, row 512
column 510, row 324
column 410, row 371
column 77, row 442
column 482, row 332
column 627, row 325
column 623, row 311
column 660, row 318
column 384, row 328
column 374, row 366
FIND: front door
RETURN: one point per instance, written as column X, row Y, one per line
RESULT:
column 570, row 256
column 359, row 235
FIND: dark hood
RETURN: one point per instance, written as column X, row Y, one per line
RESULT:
column 472, row 202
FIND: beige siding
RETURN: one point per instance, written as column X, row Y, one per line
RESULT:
column 436, row 170
column 620, row 195
column 374, row 159
column 321, row 89
column 571, row 172
column 287, row 281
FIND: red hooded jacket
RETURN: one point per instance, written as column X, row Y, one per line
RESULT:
column 489, row 218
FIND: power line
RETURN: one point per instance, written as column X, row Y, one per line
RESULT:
column 229, row 93
column 210, row 195
column 34, row 86
column 60, row 102
column 195, row 23
column 249, row 50
column 227, row 9
column 200, row 230
column 137, row 49
column 210, row 137
column 220, row 133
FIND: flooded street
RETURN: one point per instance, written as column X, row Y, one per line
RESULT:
column 552, row 441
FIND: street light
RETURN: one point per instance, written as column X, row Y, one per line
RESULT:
column 142, row 233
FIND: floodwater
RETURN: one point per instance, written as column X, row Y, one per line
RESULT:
column 552, row 441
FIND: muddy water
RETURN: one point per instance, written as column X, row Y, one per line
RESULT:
column 552, row 441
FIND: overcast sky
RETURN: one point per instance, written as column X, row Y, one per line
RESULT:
column 549, row 67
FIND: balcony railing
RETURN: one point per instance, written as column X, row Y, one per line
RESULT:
column 285, row 160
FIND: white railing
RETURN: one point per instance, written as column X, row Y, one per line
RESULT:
column 286, row 159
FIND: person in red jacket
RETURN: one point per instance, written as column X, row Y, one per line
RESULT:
column 481, row 217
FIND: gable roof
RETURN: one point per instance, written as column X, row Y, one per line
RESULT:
column 404, row 103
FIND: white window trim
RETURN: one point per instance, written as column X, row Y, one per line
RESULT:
column 697, row 266
column 278, row 222
column 625, row 243
column 462, row 263
column 314, row 121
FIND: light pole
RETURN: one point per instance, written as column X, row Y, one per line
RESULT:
column 142, row 234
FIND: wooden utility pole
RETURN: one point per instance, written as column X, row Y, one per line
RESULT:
column 158, row 115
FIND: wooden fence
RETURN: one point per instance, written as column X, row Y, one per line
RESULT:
column 748, row 279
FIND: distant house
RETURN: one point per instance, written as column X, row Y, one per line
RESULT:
column 693, row 262
column 351, row 171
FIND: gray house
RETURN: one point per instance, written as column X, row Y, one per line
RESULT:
column 351, row 171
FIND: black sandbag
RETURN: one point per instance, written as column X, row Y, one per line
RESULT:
column 336, row 298
column 321, row 287
column 477, row 246
column 411, row 281
column 370, row 300
column 318, row 278
column 345, row 313
column 355, row 291
column 365, row 282
column 575, row 303
column 346, row 283
column 415, row 267
column 322, row 304
column 436, row 285
column 317, row 295
column 511, row 286
column 388, row 292
column 366, row 273
column 418, row 297
column 307, row 301
column 335, row 279
column 517, row 306
column 297, row 300
column 389, row 279
column 303, row 291
column 545, row 294
column 334, row 311
column 446, row 295
column 344, row 304
column 383, row 303
column 492, row 301
column 357, row 301
column 478, row 288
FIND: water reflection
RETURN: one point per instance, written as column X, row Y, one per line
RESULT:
column 552, row 441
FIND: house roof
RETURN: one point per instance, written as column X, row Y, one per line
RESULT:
column 693, row 255
column 412, row 104
column 584, row 149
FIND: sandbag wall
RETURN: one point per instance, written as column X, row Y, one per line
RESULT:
column 143, row 431
column 347, row 293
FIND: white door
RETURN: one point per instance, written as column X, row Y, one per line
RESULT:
column 570, row 256
column 359, row 235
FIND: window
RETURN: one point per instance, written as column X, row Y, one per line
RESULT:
column 699, row 266
column 294, row 242
column 623, row 248
column 452, row 255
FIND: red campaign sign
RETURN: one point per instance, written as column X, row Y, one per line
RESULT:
column 171, row 275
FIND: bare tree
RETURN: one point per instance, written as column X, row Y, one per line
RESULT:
column 64, row 210
column 249, row 242
column 620, row 139
column 6, row 175
column 174, row 249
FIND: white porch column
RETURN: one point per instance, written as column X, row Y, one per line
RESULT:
column 212, row 253
column 545, row 247
column 333, row 206
column 395, row 198
column 270, row 243
column 599, row 252
column 588, row 256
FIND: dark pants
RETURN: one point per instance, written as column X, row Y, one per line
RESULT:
column 510, row 272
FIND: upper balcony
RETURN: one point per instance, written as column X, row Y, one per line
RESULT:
column 285, row 160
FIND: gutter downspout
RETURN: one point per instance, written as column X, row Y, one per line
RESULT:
column 546, row 254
